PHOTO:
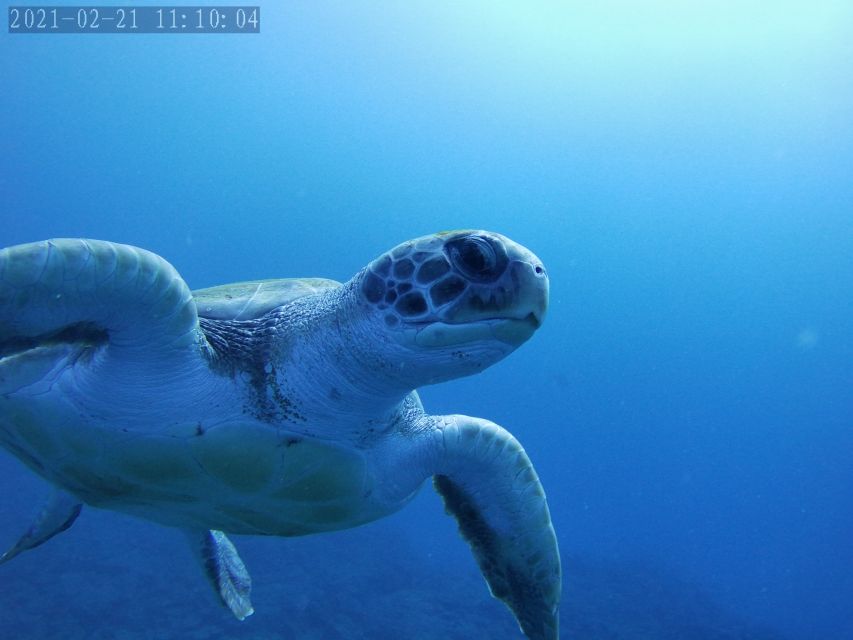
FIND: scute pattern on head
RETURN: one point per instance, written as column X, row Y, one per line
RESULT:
column 425, row 279
column 397, row 281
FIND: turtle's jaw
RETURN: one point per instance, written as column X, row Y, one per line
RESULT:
column 516, row 332
column 508, row 331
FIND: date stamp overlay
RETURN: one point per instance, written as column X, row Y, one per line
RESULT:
column 134, row 19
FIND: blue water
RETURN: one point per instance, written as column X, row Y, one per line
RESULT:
column 686, row 174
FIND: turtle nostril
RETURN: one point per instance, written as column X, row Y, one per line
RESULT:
column 539, row 270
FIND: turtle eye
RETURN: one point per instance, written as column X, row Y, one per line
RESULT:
column 474, row 257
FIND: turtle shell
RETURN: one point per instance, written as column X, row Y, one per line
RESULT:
column 249, row 300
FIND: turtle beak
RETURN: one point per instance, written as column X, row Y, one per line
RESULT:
column 530, row 302
column 533, row 287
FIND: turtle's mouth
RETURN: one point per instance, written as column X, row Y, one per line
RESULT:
column 514, row 331
column 510, row 331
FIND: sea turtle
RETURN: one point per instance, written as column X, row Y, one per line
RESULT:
column 275, row 407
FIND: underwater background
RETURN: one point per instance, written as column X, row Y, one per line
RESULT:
column 684, row 170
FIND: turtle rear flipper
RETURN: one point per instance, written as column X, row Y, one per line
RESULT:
column 56, row 515
column 69, row 290
column 225, row 569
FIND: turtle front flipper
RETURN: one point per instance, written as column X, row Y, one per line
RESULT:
column 225, row 570
column 89, row 290
column 489, row 485
column 56, row 515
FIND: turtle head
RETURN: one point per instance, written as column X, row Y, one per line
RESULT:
column 455, row 302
